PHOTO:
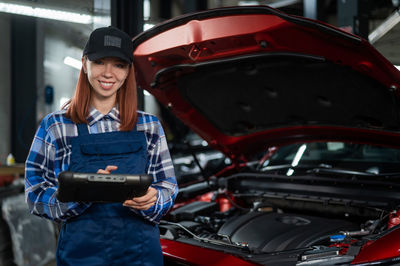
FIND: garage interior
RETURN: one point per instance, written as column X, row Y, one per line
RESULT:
column 41, row 62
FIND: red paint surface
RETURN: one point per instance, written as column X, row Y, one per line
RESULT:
column 385, row 247
column 194, row 255
column 225, row 36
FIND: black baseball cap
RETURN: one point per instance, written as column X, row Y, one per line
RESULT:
column 109, row 42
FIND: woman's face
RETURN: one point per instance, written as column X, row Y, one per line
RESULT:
column 106, row 76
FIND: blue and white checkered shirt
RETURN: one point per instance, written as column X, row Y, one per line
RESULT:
column 50, row 154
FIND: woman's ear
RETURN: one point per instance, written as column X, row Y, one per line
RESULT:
column 84, row 59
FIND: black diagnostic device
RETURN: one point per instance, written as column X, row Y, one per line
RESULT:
column 90, row 187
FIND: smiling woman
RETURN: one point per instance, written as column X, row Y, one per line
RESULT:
column 99, row 50
column 105, row 76
column 101, row 131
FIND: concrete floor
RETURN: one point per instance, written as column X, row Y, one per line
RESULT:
column 51, row 263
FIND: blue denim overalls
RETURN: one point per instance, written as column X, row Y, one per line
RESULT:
column 109, row 233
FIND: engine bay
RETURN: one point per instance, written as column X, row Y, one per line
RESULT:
column 267, row 220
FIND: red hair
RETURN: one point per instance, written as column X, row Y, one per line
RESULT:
column 78, row 106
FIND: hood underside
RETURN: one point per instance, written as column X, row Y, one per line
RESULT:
column 250, row 77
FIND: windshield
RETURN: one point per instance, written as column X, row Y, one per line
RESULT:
column 303, row 157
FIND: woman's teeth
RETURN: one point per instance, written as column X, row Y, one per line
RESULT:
column 106, row 84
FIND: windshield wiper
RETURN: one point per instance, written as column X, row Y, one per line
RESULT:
column 327, row 169
column 323, row 170
column 286, row 166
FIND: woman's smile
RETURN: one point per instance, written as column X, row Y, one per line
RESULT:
column 106, row 85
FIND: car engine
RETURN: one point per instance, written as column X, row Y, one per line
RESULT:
column 265, row 226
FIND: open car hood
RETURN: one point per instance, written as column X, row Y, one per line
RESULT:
column 245, row 78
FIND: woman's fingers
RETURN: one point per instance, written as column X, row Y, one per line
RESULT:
column 142, row 206
column 135, row 203
column 145, row 207
column 108, row 169
column 111, row 168
column 140, row 203
column 151, row 193
column 143, row 202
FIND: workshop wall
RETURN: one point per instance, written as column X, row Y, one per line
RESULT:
column 5, row 85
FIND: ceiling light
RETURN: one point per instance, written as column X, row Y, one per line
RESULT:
column 146, row 9
column 384, row 27
column 147, row 26
column 72, row 62
column 248, row 3
column 46, row 13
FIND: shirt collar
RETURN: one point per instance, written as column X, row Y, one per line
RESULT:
column 95, row 115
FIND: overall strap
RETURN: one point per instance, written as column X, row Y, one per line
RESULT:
column 82, row 129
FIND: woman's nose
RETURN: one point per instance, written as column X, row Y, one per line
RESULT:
column 107, row 70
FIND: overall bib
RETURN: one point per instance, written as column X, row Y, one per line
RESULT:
column 109, row 233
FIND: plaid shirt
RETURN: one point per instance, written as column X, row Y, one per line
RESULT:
column 50, row 154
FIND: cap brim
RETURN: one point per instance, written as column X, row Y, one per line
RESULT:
column 100, row 55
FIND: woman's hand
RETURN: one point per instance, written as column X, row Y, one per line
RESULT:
column 143, row 202
column 140, row 203
column 108, row 169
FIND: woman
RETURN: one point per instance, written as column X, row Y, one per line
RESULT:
column 102, row 115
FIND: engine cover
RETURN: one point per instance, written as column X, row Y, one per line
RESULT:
column 271, row 232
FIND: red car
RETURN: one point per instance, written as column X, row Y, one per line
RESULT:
column 309, row 117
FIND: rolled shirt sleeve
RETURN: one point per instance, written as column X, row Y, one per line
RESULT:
column 41, row 171
column 161, row 168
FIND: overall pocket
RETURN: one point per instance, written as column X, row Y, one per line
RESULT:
column 128, row 155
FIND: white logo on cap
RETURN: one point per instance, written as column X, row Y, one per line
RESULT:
column 112, row 41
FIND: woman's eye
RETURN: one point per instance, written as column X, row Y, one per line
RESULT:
column 121, row 65
column 98, row 62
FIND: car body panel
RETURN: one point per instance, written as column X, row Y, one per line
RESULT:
column 253, row 79
column 386, row 247
column 173, row 57
column 194, row 255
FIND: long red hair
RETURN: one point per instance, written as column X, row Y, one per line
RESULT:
column 78, row 106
